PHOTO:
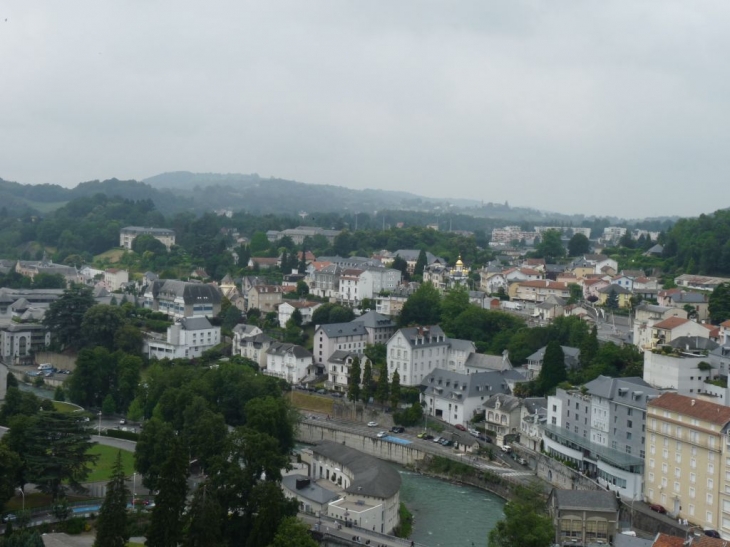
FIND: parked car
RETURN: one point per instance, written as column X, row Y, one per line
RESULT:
column 337, row 394
column 473, row 432
column 446, row 442
column 322, row 391
column 437, row 440
column 460, row 427
column 382, row 434
column 522, row 461
column 506, row 448
column 658, row 508
column 372, row 424
column 397, row 429
column 712, row 533
column 10, row 517
column 122, row 422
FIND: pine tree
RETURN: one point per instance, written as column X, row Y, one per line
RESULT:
column 367, row 381
column 612, row 300
column 166, row 523
column 395, row 391
column 421, row 263
column 553, row 369
column 353, row 381
column 382, row 390
column 204, row 519
column 589, row 348
column 111, row 527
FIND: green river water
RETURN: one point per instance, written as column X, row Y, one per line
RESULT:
column 449, row 515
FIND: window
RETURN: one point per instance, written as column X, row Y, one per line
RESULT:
column 709, row 499
column 691, row 492
column 629, row 423
column 664, row 468
column 628, row 435
column 708, row 517
column 692, row 478
column 710, row 484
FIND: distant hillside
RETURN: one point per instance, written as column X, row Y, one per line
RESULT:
column 255, row 194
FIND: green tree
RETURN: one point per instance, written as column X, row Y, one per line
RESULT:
column 421, row 263
column 553, row 370
column 329, row 313
column 525, row 523
column 152, row 450
column 65, row 316
column 423, row 307
column 578, row 245
column 576, row 293
column 353, row 381
column 395, row 390
column 720, row 303
column 589, row 348
column 59, row 394
column 111, row 527
column 293, row 533
column 402, row 266
column 10, row 466
column 551, row 247
column 108, row 406
column 612, row 299
column 167, row 516
column 259, row 244
column 367, row 381
column 452, row 305
column 302, row 289
column 296, row 317
column 128, row 339
column 100, row 324
column 204, row 519
column 57, row 452
column 272, row 416
column 382, row 390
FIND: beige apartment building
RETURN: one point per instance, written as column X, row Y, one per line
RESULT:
column 688, row 460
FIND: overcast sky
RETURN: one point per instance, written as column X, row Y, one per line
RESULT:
column 596, row 107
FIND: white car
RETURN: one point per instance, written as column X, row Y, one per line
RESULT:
column 382, row 434
column 372, row 424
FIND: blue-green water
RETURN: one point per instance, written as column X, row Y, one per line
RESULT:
column 449, row 515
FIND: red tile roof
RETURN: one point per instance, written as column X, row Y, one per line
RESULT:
column 664, row 540
column 544, row 283
column 694, row 408
column 671, row 323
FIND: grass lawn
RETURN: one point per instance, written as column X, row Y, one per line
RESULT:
column 107, row 456
column 314, row 403
column 65, row 407
column 112, row 255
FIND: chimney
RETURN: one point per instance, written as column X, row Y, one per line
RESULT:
column 693, row 402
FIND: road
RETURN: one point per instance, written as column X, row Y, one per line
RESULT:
column 329, row 526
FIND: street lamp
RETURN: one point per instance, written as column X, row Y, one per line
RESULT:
column 100, row 423
column 19, row 489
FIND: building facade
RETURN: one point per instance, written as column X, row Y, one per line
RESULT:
column 188, row 338
column 130, row 233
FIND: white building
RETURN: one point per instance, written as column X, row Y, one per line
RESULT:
column 684, row 372
column 369, row 488
column 456, row 398
column 378, row 326
column 373, row 281
column 416, row 351
column 286, row 309
column 339, row 366
column 186, row 339
column 130, row 233
column 352, row 337
column 114, row 279
column 288, row 361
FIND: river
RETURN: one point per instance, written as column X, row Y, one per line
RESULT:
column 449, row 515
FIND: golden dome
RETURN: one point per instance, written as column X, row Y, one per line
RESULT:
column 459, row 262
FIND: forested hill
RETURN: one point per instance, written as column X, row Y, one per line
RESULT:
column 42, row 198
column 280, row 196
column 700, row 245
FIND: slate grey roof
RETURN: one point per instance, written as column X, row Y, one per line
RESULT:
column 190, row 292
column 312, row 491
column 282, row 349
column 370, row 476
column 489, row 362
column 412, row 254
column 592, row 500
column 257, row 340
column 536, row 405
column 244, row 329
column 461, row 345
column 632, row 390
column 508, row 403
column 5, row 298
column 340, row 356
column 656, row 249
column 653, row 307
column 195, row 323
column 695, row 343
column 623, row 540
column 688, row 298
column 143, row 230
column 374, row 320
column 20, row 304
column 454, row 385
column 432, row 333
column 618, row 289
column 568, row 351
column 335, row 330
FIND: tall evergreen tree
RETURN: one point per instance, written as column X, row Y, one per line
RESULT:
column 612, row 300
column 65, row 316
column 204, row 519
column 353, row 381
column 167, row 515
column 421, row 263
column 395, row 390
column 553, row 369
column 111, row 528
column 423, row 307
column 589, row 348
column 382, row 390
column 367, row 381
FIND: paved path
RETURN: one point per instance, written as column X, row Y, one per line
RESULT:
column 329, row 527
